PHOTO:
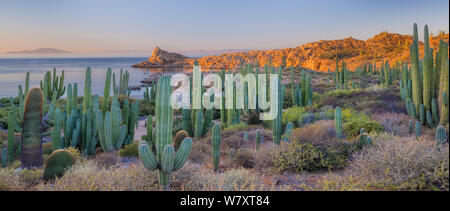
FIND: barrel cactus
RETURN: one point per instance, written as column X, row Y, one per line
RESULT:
column 441, row 135
column 179, row 138
column 57, row 163
column 31, row 152
column 165, row 159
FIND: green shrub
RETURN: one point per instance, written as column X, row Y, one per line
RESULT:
column 352, row 128
column 298, row 157
column 130, row 150
column 235, row 127
column 292, row 114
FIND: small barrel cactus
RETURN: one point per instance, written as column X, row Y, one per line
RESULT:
column 179, row 138
column 441, row 135
column 57, row 163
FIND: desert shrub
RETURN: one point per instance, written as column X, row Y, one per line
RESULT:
column 244, row 158
column 297, row 157
column 89, row 176
column 291, row 115
column 352, row 128
column 393, row 123
column 235, row 127
column 10, row 181
column 200, row 152
column 232, row 180
column 319, row 133
column 130, row 150
column 146, row 108
column 31, row 177
column 106, row 159
column 394, row 163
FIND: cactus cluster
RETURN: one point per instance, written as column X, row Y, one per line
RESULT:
column 302, row 92
column 122, row 87
column 424, row 88
column 166, row 159
column 52, row 86
column 341, row 75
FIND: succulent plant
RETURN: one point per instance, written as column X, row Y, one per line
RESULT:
column 31, row 152
column 57, row 163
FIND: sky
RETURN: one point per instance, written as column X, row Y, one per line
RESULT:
column 92, row 26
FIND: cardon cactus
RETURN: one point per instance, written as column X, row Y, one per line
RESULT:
column 258, row 139
column 216, row 142
column 415, row 71
column 11, row 139
column 4, row 157
column 276, row 123
column 57, row 141
column 338, row 122
column 149, row 125
column 106, row 91
column 166, row 159
column 31, row 152
column 288, row 131
column 57, row 163
column 179, row 138
column 441, row 135
column 53, row 86
column 110, row 131
column 418, row 129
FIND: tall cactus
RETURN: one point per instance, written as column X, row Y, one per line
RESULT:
column 415, row 71
column 106, row 91
column 31, row 152
column 53, row 85
column 110, row 130
column 216, row 142
column 338, row 122
column 57, row 142
column 87, row 103
column 418, row 129
column 276, row 123
column 11, row 139
column 165, row 159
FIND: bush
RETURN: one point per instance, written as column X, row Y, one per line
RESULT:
column 394, row 163
column 31, row 177
column 352, row 128
column 130, row 150
column 292, row 115
column 232, row 180
column 244, row 158
column 235, row 127
column 297, row 157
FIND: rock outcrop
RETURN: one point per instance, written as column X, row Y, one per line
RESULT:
column 161, row 58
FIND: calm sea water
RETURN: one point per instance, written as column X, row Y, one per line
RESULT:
column 13, row 70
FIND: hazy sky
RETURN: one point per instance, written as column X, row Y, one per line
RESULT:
column 110, row 25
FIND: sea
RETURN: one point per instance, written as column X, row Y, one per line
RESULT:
column 13, row 72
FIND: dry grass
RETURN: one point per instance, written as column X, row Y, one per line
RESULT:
column 394, row 163
column 393, row 123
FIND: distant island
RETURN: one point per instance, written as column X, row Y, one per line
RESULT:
column 40, row 51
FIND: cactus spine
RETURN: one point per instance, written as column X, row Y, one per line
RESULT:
column 338, row 122
column 216, row 142
column 164, row 160
column 31, row 152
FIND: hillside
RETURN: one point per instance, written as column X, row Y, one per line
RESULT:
column 321, row 55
